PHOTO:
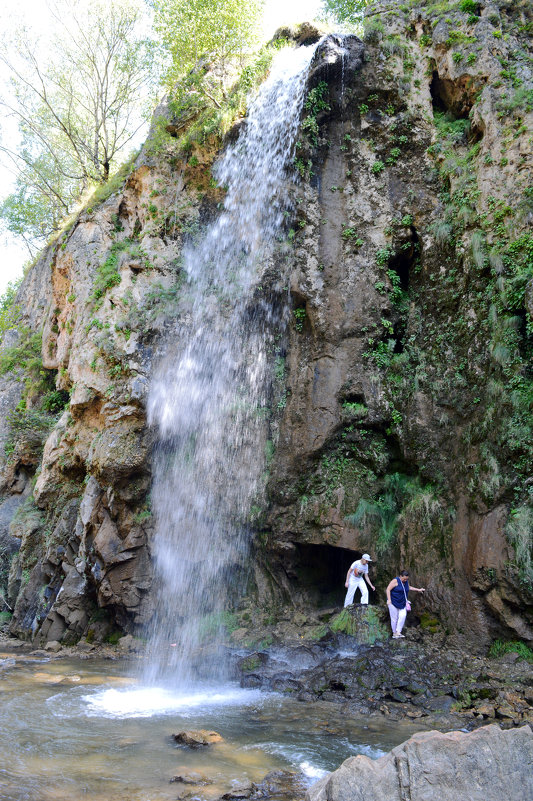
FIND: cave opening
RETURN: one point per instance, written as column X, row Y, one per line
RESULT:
column 401, row 263
column 353, row 398
column 320, row 572
column 455, row 98
column 449, row 97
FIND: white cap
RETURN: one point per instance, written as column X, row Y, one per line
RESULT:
column 367, row 557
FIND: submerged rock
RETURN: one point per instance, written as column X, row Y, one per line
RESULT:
column 278, row 785
column 192, row 777
column 485, row 765
column 238, row 791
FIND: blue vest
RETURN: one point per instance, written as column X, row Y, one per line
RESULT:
column 397, row 595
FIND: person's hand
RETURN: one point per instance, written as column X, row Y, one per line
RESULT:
column 373, row 587
column 346, row 585
column 422, row 589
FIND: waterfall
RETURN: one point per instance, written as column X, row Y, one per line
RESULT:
column 208, row 399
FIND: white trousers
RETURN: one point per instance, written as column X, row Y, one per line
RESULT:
column 397, row 618
column 353, row 585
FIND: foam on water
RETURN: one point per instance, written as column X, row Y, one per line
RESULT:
column 147, row 702
column 311, row 771
column 305, row 757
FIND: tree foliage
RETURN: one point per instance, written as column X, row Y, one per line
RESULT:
column 76, row 101
column 9, row 311
column 345, row 11
column 197, row 35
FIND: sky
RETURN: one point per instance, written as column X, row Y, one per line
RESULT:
column 14, row 254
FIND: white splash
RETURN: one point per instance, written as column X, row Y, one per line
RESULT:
column 311, row 771
column 148, row 702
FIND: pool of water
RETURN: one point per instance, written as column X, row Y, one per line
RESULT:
column 85, row 729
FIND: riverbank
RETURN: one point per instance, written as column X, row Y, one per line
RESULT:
column 429, row 676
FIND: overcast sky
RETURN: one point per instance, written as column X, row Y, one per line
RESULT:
column 14, row 12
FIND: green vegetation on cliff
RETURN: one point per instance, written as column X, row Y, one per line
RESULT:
column 40, row 403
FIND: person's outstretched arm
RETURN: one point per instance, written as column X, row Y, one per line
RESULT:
column 367, row 579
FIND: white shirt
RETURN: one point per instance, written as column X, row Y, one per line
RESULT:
column 358, row 567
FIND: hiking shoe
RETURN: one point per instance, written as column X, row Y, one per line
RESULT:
column 399, row 635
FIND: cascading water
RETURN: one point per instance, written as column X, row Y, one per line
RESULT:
column 209, row 396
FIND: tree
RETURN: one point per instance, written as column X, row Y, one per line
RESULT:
column 198, row 34
column 76, row 100
column 9, row 312
column 346, row 11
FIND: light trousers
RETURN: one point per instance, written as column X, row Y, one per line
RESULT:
column 397, row 618
column 353, row 585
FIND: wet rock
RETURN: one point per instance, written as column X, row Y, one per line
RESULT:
column 281, row 785
column 486, row 710
column 486, row 764
column 197, row 738
column 252, row 681
column 505, row 711
column 131, row 644
column 286, row 683
column 396, row 695
column 414, row 713
column 442, row 703
column 239, row 790
column 253, row 661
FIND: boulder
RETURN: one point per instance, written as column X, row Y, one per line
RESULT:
column 485, row 765
column 54, row 646
column 131, row 644
column 198, row 738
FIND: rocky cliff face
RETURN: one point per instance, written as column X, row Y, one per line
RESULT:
column 402, row 434
column 402, row 421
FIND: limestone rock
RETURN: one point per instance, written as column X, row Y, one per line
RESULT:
column 485, row 765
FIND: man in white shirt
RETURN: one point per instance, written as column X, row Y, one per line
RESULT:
column 355, row 579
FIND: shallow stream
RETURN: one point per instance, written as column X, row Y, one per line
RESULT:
column 84, row 729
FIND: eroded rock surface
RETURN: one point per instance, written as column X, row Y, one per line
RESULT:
column 482, row 766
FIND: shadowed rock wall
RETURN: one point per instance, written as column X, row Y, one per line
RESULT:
column 399, row 435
